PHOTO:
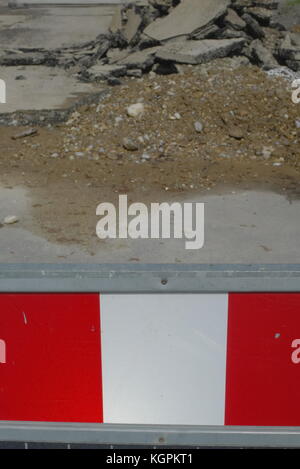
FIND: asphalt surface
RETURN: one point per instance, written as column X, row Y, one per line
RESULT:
column 240, row 227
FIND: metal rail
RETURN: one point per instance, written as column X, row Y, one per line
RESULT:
column 149, row 278
column 151, row 435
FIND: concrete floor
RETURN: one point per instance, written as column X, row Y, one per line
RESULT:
column 240, row 227
column 19, row 3
column 42, row 88
column 53, row 27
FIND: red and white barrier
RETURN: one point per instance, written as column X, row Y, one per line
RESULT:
column 200, row 359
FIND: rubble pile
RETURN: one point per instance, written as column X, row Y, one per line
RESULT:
column 159, row 35
column 221, row 123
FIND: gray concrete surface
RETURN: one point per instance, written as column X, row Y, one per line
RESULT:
column 53, row 27
column 289, row 13
column 65, row 2
column 240, row 227
column 44, row 88
column 189, row 17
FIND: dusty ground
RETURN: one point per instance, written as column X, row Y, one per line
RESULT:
column 250, row 138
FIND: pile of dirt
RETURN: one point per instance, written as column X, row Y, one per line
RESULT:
column 188, row 131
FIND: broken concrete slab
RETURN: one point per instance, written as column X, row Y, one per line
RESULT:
column 229, row 33
column 262, row 56
column 8, row 58
column 287, row 49
column 209, row 31
column 100, row 72
column 133, row 24
column 187, row 18
column 51, row 28
column 233, row 20
column 142, row 59
column 241, row 5
column 271, row 4
column 46, row 95
column 262, row 15
column 295, row 38
column 116, row 54
column 165, row 68
column 25, row 133
column 127, row 22
column 116, row 23
column 162, row 5
column 197, row 52
column 20, row 3
column 253, row 26
column 135, row 73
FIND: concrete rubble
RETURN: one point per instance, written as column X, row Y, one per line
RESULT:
column 156, row 35
column 146, row 32
column 187, row 19
column 197, row 52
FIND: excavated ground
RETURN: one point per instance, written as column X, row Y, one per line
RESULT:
column 250, row 137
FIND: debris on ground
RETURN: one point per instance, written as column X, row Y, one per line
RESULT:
column 169, row 131
column 153, row 35
column 25, row 133
column 10, row 220
column 203, row 106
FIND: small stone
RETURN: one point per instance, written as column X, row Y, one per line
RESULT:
column 135, row 73
column 118, row 120
column 297, row 122
column 113, row 81
column 25, row 133
column 267, row 152
column 235, row 132
column 54, row 155
column 175, row 116
column 129, row 144
column 136, row 110
column 146, row 156
column 198, row 126
column 10, row 220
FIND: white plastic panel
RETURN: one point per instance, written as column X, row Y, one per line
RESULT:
column 164, row 358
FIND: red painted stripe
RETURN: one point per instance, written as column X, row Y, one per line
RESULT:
column 52, row 369
column 263, row 376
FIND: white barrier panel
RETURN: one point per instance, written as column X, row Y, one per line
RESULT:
column 170, row 349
